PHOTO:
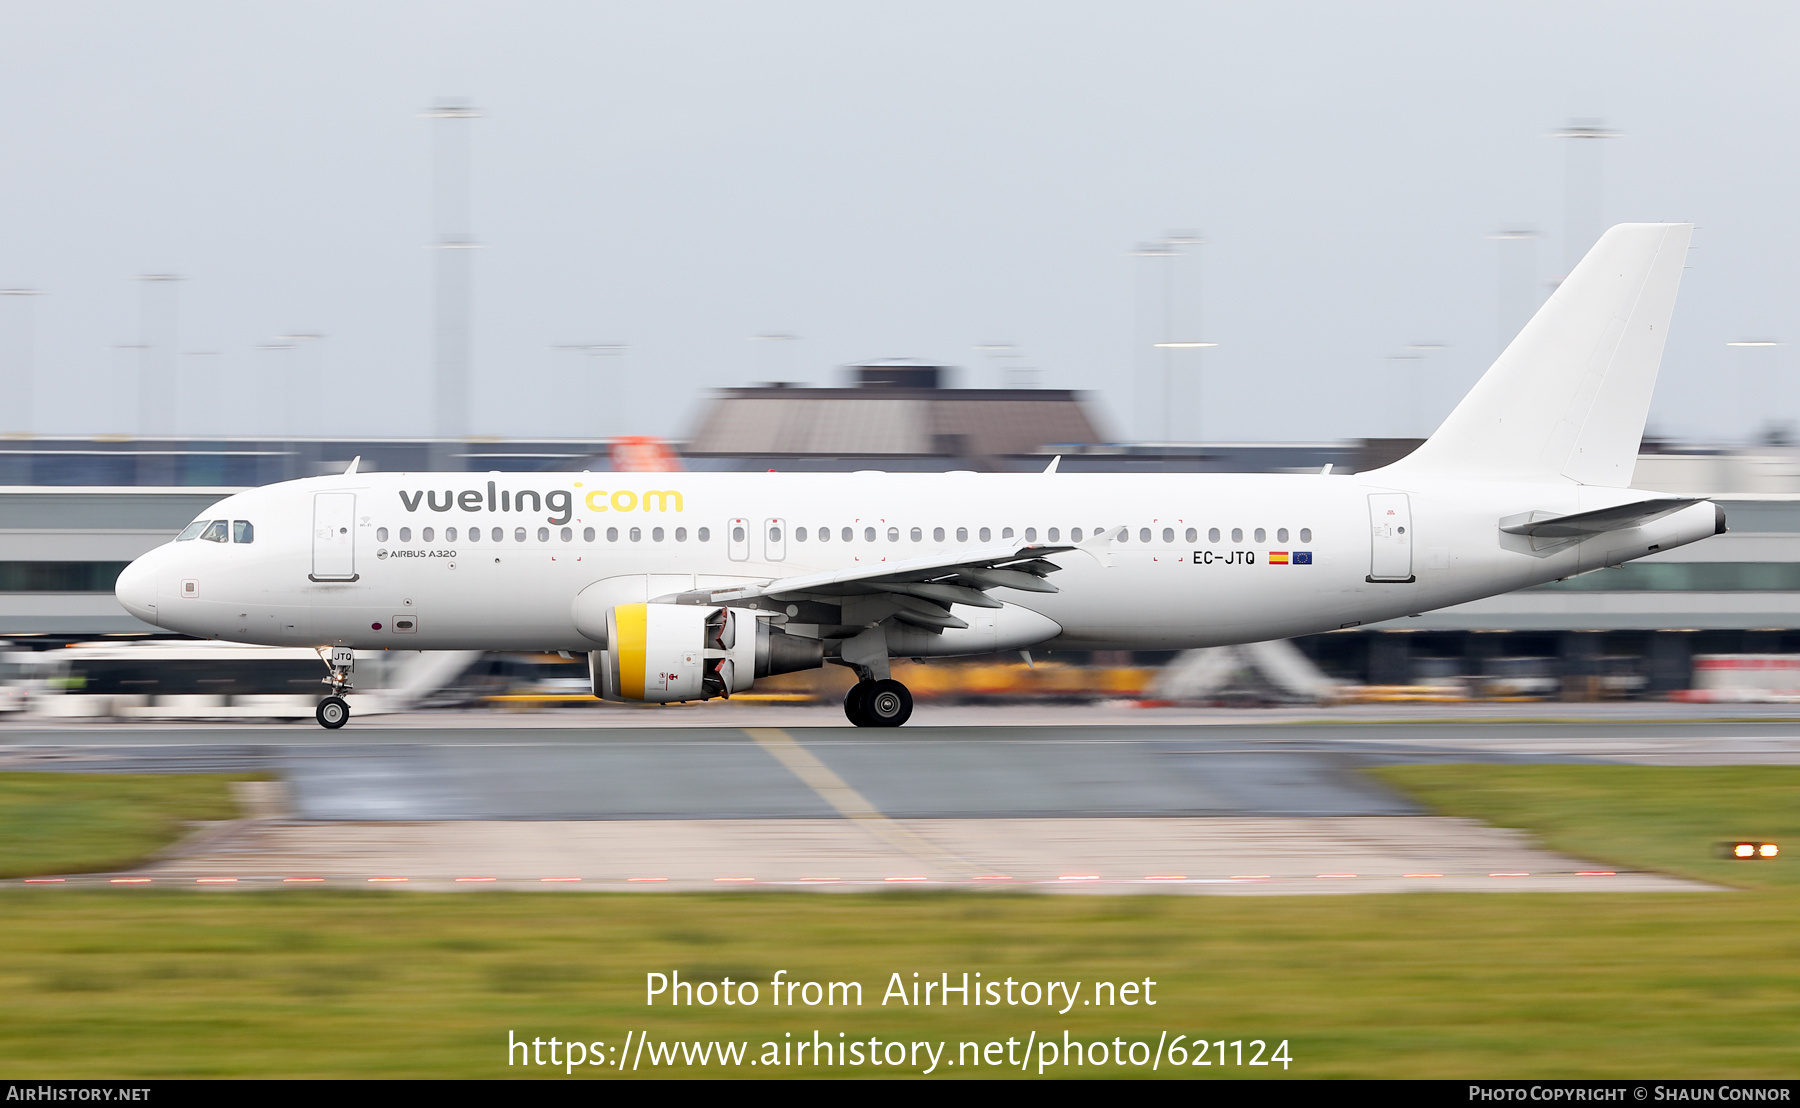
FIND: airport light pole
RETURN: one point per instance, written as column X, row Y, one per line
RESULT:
column 209, row 389
column 307, row 416
column 454, row 240
column 1170, row 247
column 1516, row 281
column 1757, row 378
column 773, row 342
column 596, row 350
column 18, row 392
column 1582, row 180
column 159, row 387
column 1000, row 354
column 275, row 347
column 1416, row 352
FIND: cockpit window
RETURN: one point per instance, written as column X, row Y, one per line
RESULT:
column 242, row 531
column 192, row 531
column 215, row 531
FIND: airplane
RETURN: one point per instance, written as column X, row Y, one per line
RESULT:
column 685, row 586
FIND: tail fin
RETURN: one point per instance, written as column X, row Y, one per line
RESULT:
column 1570, row 395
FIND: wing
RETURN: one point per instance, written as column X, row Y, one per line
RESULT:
column 919, row 591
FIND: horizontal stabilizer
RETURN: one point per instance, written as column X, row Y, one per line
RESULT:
column 1547, row 525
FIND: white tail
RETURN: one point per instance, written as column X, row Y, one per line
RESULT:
column 1570, row 395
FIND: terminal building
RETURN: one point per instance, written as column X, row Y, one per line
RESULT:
column 73, row 512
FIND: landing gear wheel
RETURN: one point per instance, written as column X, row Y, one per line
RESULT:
column 856, row 708
column 886, row 704
column 333, row 712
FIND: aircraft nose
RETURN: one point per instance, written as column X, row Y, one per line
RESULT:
column 136, row 590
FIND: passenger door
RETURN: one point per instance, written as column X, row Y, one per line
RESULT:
column 737, row 540
column 774, row 539
column 1390, row 537
column 334, row 536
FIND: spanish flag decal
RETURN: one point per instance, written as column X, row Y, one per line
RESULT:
column 1278, row 557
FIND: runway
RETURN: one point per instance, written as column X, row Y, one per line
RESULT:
column 1091, row 803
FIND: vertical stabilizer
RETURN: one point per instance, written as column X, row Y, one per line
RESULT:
column 1568, row 398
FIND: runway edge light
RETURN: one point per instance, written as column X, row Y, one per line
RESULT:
column 1752, row 850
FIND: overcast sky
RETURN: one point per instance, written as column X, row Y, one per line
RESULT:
column 881, row 180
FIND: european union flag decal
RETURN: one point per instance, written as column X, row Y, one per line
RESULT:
column 1303, row 557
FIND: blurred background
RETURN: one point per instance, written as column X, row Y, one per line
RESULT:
column 246, row 244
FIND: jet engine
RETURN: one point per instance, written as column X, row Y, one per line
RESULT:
column 662, row 653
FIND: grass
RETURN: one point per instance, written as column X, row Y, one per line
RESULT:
column 144, row 982
column 1668, row 818
column 91, row 823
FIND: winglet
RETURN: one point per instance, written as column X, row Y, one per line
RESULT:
column 354, row 462
column 1051, row 468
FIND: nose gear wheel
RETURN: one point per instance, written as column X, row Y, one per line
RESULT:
column 333, row 712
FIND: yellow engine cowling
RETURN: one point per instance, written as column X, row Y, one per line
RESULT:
column 663, row 653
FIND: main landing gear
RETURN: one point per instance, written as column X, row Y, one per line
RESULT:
column 334, row 711
column 878, row 703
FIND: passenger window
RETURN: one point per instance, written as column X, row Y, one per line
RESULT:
column 1261, row 535
column 587, row 534
column 449, row 534
column 1074, row 534
column 381, row 534
column 498, row 534
column 1281, row 535
column 893, row 534
column 427, row 535
column 1124, row 534
column 937, row 534
column 681, row 534
column 1306, row 534
column 824, row 534
column 1143, row 534
column 1006, row 532
column 242, row 531
column 656, row 534
column 406, row 534
column 1192, row 535
column 474, row 534
column 868, row 534
column 704, row 534
column 1031, row 534
column 846, row 534
column 774, row 534
column 737, row 534
column 1212, row 534
column 962, row 534
column 215, row 531
column 518, row 535
column 1237, row 534
column 916, row 535
column 568, row 534
column 543, row 534
column 799, row 534
column 612, row 534
column 637, row 534
column 191, row 531
column 1053, row 534
column 985, row 535
column 1168, row 534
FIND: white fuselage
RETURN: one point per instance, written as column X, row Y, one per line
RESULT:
column 375, row 581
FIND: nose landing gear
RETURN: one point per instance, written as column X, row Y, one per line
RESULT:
column 885, row 703
column 334, row 711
